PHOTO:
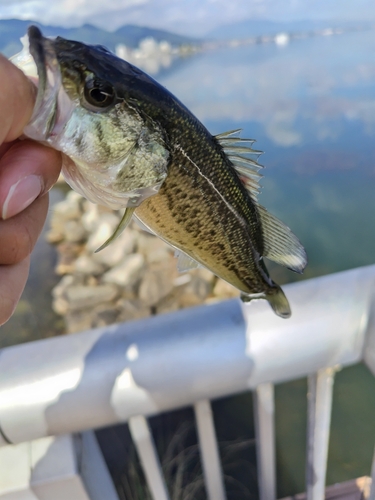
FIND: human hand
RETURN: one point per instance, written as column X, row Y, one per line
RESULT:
column 27, row 171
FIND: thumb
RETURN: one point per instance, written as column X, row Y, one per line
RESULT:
column 27, row 171
column 17, row 100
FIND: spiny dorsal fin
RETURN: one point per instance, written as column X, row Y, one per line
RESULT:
column 246, row 168
column 280, row 244
column 124, row 222
column 232, row 136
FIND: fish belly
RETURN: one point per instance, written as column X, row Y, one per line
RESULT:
column 192, row 216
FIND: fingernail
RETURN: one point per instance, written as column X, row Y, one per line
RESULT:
column 21, row 195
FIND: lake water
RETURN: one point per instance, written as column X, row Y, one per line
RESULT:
column 311, row 107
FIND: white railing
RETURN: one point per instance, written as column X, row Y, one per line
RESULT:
column 128, row 372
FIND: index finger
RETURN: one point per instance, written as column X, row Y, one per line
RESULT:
column 17, row 99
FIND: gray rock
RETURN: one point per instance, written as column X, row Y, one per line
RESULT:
column 56, row 234
column 170, row 303
column 65, row 212
column 78, row 321
column 63, row 285
column 182, row 279
column 117, row 250
column 156, row 284
column 80, row 296
column 153, row 248
column 74, row 232
column 128, row 272
column 86, row 265
column 67, row 255
column 132, row 309
column 70, row 208
column 117, row 284
column 224, row 290
column 90, row 216
column 92, row 213
column 204, row 274
column 104, row 315
column 105, row 227
column 60, row 306
column 195, row 292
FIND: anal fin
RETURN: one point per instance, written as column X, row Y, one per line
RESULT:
column 184, row 262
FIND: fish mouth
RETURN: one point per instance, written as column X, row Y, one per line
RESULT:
column 51, row 110
column 44, row 115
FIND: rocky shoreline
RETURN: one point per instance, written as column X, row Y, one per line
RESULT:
column 134, row 277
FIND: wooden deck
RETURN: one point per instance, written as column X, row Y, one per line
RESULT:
column 357, row 489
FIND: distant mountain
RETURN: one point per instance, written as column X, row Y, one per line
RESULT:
column 11, row 30
column 257, row 27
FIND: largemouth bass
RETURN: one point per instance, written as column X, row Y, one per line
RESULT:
column 129, row 143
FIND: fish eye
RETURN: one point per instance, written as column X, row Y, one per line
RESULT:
column 98, row 93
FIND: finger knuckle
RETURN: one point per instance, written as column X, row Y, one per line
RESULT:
column 22, row 245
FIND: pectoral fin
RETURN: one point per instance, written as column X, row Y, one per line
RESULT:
column 126, row 218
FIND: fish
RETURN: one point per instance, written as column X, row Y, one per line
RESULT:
column 128, row 143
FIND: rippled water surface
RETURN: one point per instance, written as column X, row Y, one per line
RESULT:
column 311, row 107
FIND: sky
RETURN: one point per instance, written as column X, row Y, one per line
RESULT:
column 191, row 17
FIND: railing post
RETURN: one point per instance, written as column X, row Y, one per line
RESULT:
column 144, row 443
column 264, row 410
column 209, row 450
column 320, row 390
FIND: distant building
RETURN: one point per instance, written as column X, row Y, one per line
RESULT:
column 282, row 39
column 150, row 55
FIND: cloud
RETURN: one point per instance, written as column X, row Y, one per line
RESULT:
column 65, row 12
column 195, row 17
column 280, row 129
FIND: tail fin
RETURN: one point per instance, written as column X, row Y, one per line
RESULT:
column 276, row 299
column 279, row 303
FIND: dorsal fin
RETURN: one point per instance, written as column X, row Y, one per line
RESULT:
column 231, row 136
column 280, row 244
column 238, row 153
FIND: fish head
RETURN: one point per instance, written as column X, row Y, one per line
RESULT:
column 113, row 153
